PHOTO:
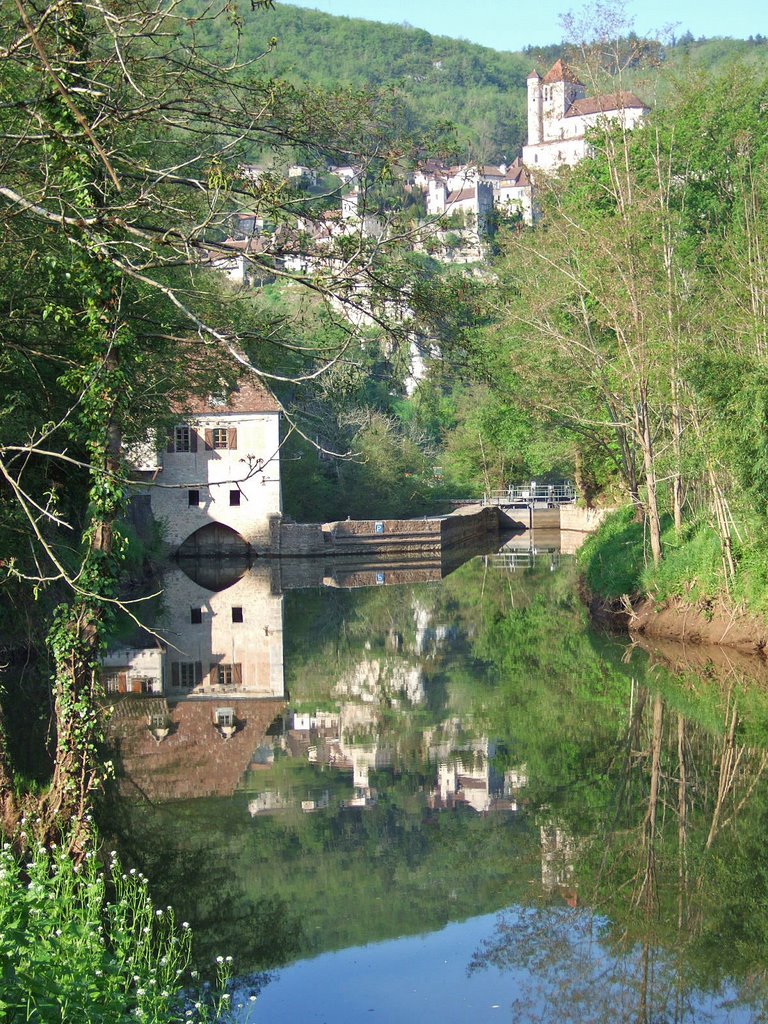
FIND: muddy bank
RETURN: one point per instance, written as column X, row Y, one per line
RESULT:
column 713, row 661
column 710, row 626
column 716, row 625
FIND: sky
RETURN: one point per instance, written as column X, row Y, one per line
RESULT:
column 505, row 25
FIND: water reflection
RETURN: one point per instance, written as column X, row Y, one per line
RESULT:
column 402, row 757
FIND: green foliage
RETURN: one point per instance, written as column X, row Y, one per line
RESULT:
column 85, row 942
column 434, row 76
column 612, row 559
column 692, row 569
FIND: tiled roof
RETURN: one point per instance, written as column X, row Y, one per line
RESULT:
column 560, row 72
column 249, row 396
column 193, row 760
column 457, row 197
column 534, row 74
column 605, row 104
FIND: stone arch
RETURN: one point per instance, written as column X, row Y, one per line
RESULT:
column 214, row 540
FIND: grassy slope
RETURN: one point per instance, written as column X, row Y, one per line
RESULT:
column 616, row 561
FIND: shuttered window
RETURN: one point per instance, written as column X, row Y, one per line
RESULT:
column 221, row 439
column 226, row 674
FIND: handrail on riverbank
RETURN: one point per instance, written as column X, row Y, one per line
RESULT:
column 532, row 495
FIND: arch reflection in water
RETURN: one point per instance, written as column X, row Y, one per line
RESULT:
column 205, row 689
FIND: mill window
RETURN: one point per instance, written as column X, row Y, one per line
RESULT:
column 181, row 439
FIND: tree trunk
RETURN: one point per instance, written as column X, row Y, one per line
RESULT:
column 652, row 507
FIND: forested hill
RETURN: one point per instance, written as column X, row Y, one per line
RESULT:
column 481, row 90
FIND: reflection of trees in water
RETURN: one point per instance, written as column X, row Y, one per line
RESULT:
column 568, row 975
column 193, row 869
column 675, row 870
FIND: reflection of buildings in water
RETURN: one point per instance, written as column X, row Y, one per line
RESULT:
column 176, row 750
column 227, row 641
column 558, row 851
column 467, row 776
column 133, row 669
column 346, row 742
column 212, row 687
column 216, row 643
column 203, row 697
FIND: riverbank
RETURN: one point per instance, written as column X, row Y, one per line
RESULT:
column 684, row 600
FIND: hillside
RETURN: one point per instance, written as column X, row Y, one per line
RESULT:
column 480, row 90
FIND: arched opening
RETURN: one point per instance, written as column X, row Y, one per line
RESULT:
column 212, row 541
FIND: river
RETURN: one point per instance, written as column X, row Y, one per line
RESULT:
column 433, row 792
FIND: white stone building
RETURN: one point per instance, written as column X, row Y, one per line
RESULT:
column 560, row 113
column 220, row 471
column 513, row 193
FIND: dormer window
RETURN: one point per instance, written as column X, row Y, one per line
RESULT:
column 224, row 720
column 225, row 716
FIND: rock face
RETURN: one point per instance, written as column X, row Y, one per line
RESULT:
column 700, row 625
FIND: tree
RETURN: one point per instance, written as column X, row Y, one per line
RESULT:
column 123, row 147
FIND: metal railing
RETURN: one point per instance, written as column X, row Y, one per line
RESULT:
column 533, row 494
column 522, row 558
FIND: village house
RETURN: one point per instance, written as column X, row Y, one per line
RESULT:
column 560, row 113
column 216, row 485
column 513, row 193
column 475, row 202
column 299, row 171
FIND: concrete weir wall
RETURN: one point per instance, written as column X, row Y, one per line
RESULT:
column 369, row 536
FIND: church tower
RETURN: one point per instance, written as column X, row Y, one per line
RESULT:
column 559, row 89
column 534, row 109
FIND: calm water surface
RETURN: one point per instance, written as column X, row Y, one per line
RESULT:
column 430, row 792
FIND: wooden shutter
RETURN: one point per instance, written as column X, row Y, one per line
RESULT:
column 175, row 674
column 232, row 438
column 171, row 440
column 237, row 674
column 209, row 440
column 122, row 680
column 198, row 673
column 213, row 677
column 192, row 439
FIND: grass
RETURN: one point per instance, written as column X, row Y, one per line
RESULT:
column 616, row 561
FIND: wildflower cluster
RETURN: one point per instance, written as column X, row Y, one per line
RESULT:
column 86, row 943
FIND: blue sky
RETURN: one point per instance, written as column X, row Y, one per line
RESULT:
column 505, row 25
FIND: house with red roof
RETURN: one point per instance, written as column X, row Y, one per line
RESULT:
column 560, row 114
column 216, row 484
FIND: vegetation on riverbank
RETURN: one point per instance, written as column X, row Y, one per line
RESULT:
column 83, row 941
column 615, row 563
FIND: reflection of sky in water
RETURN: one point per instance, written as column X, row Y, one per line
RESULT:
column 426, row 978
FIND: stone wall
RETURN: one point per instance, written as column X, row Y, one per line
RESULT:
column 380, row 536
column 583, row 520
